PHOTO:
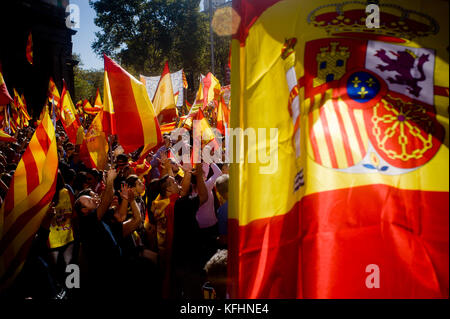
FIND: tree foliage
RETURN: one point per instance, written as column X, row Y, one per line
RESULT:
column 86, row 82
column 143, row 34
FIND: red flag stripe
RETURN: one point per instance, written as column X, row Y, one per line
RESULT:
column 32, row 171
column 360, row 239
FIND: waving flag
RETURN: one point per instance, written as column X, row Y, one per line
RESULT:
column 5, row 137
column 89, row 109
column 203, row 135
column 128, row 110
column 360, row 195
column 164, row 101
column 21, row 110
column 94, row 149
column 5, row 98
column 98, row 100
column 29, row 49
column 53, row 93
column 68, row 117
column 30, row 193
column 211, row 90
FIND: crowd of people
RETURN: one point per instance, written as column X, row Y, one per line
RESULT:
column 157, row 229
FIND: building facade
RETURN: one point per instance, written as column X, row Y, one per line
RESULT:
column 52, row 48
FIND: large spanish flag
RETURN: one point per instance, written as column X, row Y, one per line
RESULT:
column 164, row 100
column 353, row 199
column 68, row 116
column 29, row 196
column 128, row 110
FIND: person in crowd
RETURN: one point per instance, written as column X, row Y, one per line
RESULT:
column 222, row 212
column 216, row 273
column 206, row 215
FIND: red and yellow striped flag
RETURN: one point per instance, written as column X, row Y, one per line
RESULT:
column 353, row 201
column 68, row 116
column 29, row 49
column 5, row 98
column 128, row 110
column 164, row 100
column 30, row 193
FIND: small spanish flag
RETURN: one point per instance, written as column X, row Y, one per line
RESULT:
column 29, row 52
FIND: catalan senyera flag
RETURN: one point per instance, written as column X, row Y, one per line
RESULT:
column 68, row 116
column 53, row 93
column 5, row 98
column 164, row 100
column 168, row 128
column 94, row 149
column 29, row 49
column 27, row 201
column 355, row 187
column 128, row 110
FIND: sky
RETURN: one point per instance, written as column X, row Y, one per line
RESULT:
column 85, row 35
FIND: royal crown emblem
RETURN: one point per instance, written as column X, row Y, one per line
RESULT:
column 350, row 17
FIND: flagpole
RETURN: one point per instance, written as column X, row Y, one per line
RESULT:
column 211, row 34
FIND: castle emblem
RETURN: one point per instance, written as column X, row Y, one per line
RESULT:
column 331, row 63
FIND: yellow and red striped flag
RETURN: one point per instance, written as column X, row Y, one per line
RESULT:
column 27, row 201
column 353, row 201
column 164, row 100
column 128, row 110
column 29, row 49
column 5, row 98
column 168, row 128
column 21, row 110
column 68, row 117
